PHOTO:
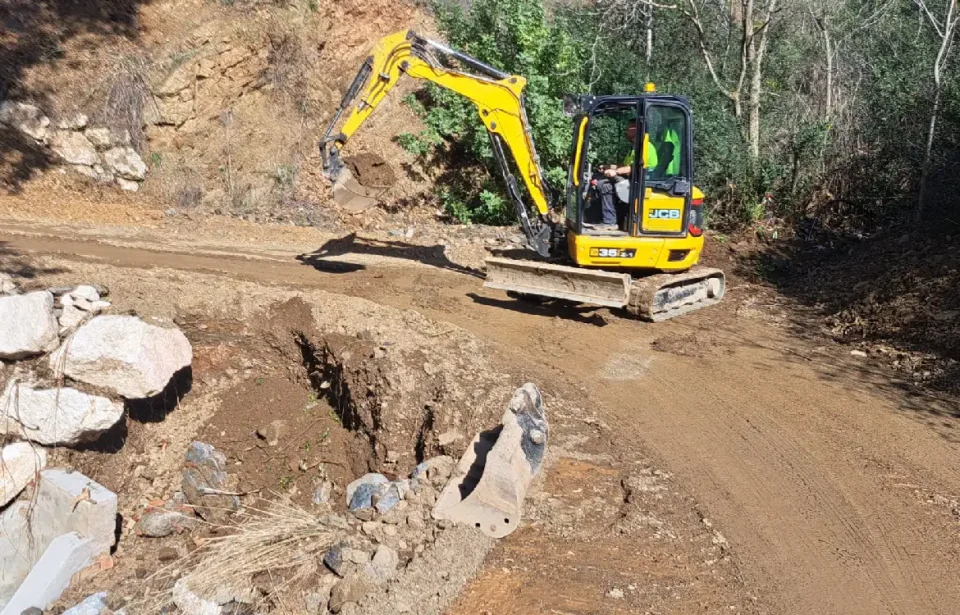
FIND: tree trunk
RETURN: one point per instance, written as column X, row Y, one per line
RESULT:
column 748, row 59
column 755, row 54
column 928, row 154
column 755, row 83
column 829, row 46
column 939, row 64
column 649, row 49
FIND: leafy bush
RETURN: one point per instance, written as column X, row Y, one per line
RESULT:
column 516, row 37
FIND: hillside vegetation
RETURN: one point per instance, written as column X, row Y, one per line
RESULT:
column 833, row 114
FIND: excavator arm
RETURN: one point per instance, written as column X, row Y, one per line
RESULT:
column 499, row 100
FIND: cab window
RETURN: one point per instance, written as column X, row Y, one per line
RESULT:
column 666, row 127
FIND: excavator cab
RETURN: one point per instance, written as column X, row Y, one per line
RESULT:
column 647, row 140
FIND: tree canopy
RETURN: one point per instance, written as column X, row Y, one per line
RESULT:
column 839, row 113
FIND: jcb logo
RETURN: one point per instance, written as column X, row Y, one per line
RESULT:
column 664, row 214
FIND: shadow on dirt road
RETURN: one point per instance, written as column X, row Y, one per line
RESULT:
column 324, row 257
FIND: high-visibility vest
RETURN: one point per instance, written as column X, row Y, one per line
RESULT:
column 651, row 157
column 670, row 136
column 673, row 169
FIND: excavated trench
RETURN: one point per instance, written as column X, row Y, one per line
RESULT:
column 350, row 373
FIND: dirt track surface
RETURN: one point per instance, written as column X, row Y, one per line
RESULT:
column 832, row 488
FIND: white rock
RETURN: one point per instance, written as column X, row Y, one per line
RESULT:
column 65, row 504
column 103, row 176
column 73, row 148
column 7, row 285
column 93, row 605
column 27, row 325
column 28, row 119
column 22, row 463
column 99, row 306
column 125, row 162
column 56, row 416
column 124, row 354
column 384, row 564
column 65, row 556
column 86, row 171
column 192, row 604
column 128, row 185
column 71, row 318
column 101, row 138
column 68, row 501
column 77, row 121
column 85, row 291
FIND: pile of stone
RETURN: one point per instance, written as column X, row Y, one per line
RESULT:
column 387, row 526
column 395, row 527
column 100, row 153
column 69, row 371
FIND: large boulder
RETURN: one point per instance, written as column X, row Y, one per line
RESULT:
column 123, row 354
column 22, row 463
column 125, row 162
column 28, row 119
column 27, row 325
column 63, row 416
column 74, row 148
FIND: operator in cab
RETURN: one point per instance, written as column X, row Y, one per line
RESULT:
column 614, row 173
column 624, row 170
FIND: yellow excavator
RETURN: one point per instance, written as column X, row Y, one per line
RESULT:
column 627, row 234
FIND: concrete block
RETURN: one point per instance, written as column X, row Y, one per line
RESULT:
column 64, row 502
column 16, row 552
column 71, row 502
column 67, row 555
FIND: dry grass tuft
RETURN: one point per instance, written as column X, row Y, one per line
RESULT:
column 124, row 94
column 283, row 538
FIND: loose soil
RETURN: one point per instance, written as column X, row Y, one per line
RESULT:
column 717, row 463
column 371, row 170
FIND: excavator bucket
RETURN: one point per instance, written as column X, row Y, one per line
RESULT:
column 352, row 195
column 488, row 486
column 558, row 281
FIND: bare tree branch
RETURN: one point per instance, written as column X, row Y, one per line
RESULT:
column 933, row 20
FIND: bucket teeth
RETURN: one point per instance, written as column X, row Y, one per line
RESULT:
column 488, row 486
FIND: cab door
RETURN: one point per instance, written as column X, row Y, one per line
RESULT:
column 668, row 168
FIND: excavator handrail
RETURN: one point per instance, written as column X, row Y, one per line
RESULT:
column 499, row 99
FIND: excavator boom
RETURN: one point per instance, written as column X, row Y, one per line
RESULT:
column 500, row 104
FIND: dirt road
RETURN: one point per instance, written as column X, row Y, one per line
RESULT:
column 835, row 488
